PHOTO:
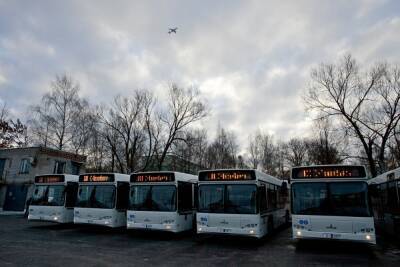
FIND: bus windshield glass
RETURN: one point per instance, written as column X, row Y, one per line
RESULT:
column 96, row 196
column 233, row 199
column 153, row 198
column 48, row 195
column 331, row 199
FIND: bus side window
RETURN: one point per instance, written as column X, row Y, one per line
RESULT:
column 184, row 196
column 263, row 198
column 71, row 193
column 122, row 196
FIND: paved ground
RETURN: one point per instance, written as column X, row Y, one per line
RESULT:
column 45, row 244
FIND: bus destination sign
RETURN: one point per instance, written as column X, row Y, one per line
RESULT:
column 228, row 175
column 49, row 179
column 96, row 178
column 152, row 177
column 328, row 172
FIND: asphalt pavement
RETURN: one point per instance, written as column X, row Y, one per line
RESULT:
column 25, row 243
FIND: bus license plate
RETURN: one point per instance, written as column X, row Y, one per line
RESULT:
column 226, row 230
column 328, row 235
column 149, row 226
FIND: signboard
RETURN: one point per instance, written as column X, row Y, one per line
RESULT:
column 316, row 172
column 96, row 178
column 152, row 177
column 49, row 179
column 227, row 175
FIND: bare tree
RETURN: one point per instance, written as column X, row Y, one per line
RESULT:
column 326, row 146
column 367, row 104
column 296, row 152
column 184, row 108
column 54, row 118
column 222, row 152
column 127, row 128
column 12, row 133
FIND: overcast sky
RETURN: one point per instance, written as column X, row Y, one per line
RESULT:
column 250, row 59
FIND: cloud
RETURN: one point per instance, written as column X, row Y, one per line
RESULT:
column 250, row 60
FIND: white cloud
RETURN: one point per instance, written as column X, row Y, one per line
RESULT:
column 250, row 60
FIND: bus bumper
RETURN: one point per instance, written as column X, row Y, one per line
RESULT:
column 107, row 223
column 359, row 237
column 47, row 218
column 250, row 232
column 152, row 226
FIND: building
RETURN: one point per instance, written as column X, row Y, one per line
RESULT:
column 19, row 166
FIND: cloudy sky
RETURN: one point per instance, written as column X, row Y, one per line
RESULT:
column 250, row 59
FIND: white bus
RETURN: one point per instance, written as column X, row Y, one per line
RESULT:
column 53, row 198
column 385, row 195
column 102, row 199
column 240, row 202
column 162, row 201
column 331, row 202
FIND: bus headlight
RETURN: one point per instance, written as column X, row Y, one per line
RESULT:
column 251, row 232
column 298, row 233
column 168, row 227
column 368, row 237
column 199, row 229
column 55, row 218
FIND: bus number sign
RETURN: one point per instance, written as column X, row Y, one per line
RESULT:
column 152, row 177
column 96, row 178
column 49, row 179
column 226, row 176
column 328, row 172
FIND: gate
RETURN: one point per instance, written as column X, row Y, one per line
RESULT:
column 15, row 197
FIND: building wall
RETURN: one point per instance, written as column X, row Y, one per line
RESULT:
column 42, row 163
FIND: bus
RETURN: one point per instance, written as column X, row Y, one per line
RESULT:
column 240, row 202
column 103, row 199
column 331, row 202
column 162, row 201
column 53, row 198
column 385, row 195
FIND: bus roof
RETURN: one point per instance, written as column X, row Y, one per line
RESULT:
column 256, row 175
column 178, row 176
column 385, row 177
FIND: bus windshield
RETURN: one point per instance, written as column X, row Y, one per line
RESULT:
column 153, row 198
column 96, row 196
column 331, row 199
column 48, row 195
column 233, row 199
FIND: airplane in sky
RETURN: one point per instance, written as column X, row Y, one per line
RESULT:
column 172, row 30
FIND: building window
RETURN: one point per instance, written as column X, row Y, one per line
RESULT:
column 24, row 166
column 75, row 168
column 59, row 167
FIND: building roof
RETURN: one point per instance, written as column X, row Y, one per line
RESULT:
column 51, row 152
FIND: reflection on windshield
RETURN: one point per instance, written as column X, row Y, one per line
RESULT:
column 96, row 196
column 335, row 199
column 153, row 197
column 48, row 195
column 233, row 199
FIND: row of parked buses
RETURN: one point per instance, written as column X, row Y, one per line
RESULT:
column 326, row 202
column 242, row 202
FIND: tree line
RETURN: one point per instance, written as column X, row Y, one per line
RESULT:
column 355, row 110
